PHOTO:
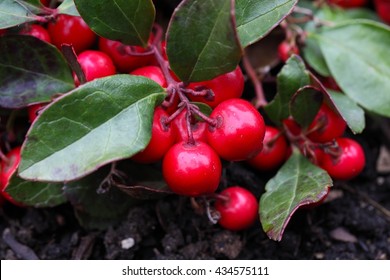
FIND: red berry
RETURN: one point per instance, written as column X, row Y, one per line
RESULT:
column 73, row 30
column 152, row 72
column 125, row 62
column 45, row 2
column 226, row 86
column 239, row 209
column 292, row 126
column 37, row 31
column 349, row 3
column 192, row 169
column 285, row 50
column 162, row 139
column 33, row 110
column 273, row 153
column 330, row 83
column 95, row 64
column 382, row 8
column 2, row 31
column 348, row 164
column 180, row 126
column 239, row 132
column 8, row 168
column 326, row 126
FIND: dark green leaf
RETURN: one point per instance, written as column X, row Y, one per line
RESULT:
column 128, row 21
column 93, row 209
column 305, row 105
column 102, row 121
column 144, row 181
column 291, row 78
column 202, row 42
column 68, row 7
column 31, row 71
column 13, row 13
column 297, row 183
column 255, row 19
column 36, row 194
column 349, row 110
column 357, row 54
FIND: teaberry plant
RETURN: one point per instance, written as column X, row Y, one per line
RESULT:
column 121, row 109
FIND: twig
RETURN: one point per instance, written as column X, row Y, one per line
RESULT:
column 21, row 250
column 260, row 98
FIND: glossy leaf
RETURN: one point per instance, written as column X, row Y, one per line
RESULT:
column 128, row 21
column 297, row 183
column 255, row 19
column 102, row 121
column 202, row 42
column 33, row 73
column 68, row 7
column 36, row 194
column 94, row 209
column 291, row 78
column 13, row 13
column 313, row 55
column 352, row 113
column 305, row 104
column 357, row 54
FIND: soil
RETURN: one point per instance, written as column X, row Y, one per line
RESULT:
column 354, row 223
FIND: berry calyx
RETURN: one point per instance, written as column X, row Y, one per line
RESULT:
column 180, row 125
column 152, row 72
column 286, row 49
column 226, row 86
column 161, row 140
column 238, row 208
column 346, row 161
column 67, row 29
column 239, row 132
column 7, row 169
column 192, row 169
column 37, row 31
column 124, row 61
column 326, row 126
column 95, row 64
column 273, row 153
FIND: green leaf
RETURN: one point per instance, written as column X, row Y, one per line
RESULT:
column 202, row 42
column 33, row 73
column 100, row 122
column 291, row 78
column 128, row 21
column 305, row 104
column 297, row 183
column 93, row 209
column 311, row 51
column 13, row 13
column 349, row 110
column 36, row 194
column 144, row 181
column 255, row 19
column 357, row 54
column 68, row 7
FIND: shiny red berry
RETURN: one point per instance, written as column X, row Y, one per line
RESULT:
column 382, row 8
column 152, row 72
column 192, row 169
column 72, row 30
column 273, row 153
column 37, row 31
column 349, row 3
column 180, row 126
column 285, row 50
column 239, row 132
column 7, row 169
column 238, row 208
column 163, row 137
column 123, row 61
column 347, row 162
column 225, row 86
column 326, row 126
column 95, row 64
